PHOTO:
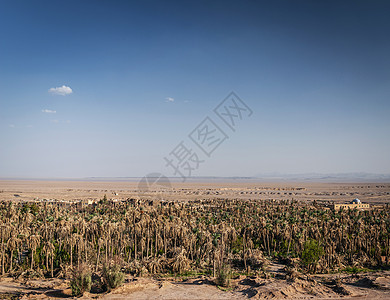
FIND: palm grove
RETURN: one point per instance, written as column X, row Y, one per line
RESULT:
column 201, row 236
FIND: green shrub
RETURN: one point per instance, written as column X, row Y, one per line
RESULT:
column 112, row 276
column 224, row 276
column 312, row 253
column 81, row 281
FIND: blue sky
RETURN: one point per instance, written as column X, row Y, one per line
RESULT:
column 315, row 73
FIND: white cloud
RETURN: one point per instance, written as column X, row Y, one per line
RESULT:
column 56, row 121
column 62, row 90
column 48, row 111
column 169, row 99
column 11, row 125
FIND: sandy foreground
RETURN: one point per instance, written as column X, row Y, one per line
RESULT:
column 361, row 286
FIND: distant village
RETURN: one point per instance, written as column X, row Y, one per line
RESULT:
column 354, row 204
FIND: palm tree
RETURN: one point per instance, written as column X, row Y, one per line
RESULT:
column 33, row 242
column 4, row 234
column 11, row 245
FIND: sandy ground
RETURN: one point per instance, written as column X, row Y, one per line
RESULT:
column 191, row 289
column 361, row 286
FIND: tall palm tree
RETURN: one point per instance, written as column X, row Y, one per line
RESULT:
column 33, row 242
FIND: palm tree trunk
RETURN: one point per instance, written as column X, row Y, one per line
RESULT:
column 147, row 243
column 135, row 237
column 52, row 259
column 71, row 255
column 2, row 258
column 97, row 259
column 214, row 266
column 106, row 250
column 135, row 245
column 165, row 242
column 142, row 249
column 32, row 258
column 129, row 254
column 174, row 233
column 85, row 250
column 244, row 249
column 47, row 261
column 269, row 249
column 78, row 255
column 155, row 245
column 11, row 259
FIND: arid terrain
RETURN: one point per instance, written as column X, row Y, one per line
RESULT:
column 29, row 190
column 174, row 241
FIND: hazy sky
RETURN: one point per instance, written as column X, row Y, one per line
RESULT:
column 110, row 88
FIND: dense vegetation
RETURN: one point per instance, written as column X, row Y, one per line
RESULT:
column 204, row 236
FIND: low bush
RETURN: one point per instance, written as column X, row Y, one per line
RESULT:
column 81, row 281
column 224, row 276
column 113, row 277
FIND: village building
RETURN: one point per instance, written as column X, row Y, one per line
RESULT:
column 355, row 203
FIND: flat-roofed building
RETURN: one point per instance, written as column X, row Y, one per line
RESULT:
column 355, row 203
